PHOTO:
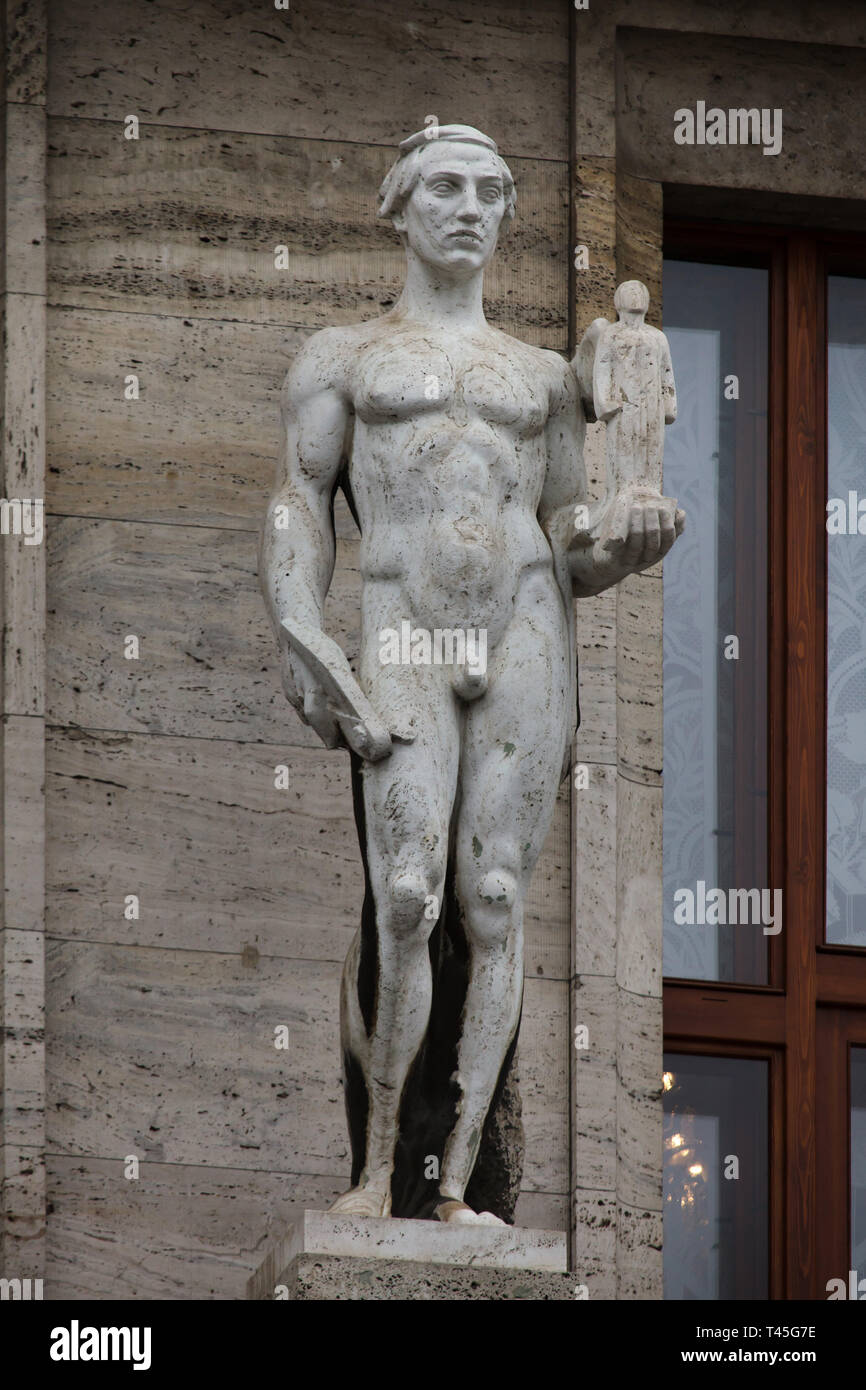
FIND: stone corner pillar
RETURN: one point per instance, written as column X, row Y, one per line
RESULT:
column 639, row 900
column 22, row 672
column 616, row 973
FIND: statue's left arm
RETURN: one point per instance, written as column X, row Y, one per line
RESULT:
column 669, row 390
column 565, row 479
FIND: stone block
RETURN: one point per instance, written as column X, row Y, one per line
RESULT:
column 186, row 222
column 325, row 1257
column 335, row 1278
column 306, row 71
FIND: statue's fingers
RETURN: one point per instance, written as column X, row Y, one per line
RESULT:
column 368, row 744
column 680, row 521
column 667, row 527
column 634, row 546
column 320, row 718
column 618, row 525
column 652, row 534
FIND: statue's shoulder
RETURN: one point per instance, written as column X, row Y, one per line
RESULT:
column 560, row 377
column 660, row 335
column 552, row 366
column 322, row 362
column 657, row 339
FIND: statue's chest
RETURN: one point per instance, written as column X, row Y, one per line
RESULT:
column 412, row 379
column 638, row 354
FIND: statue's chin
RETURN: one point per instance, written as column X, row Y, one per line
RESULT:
column 459, row 259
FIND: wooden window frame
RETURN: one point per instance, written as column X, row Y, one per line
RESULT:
column 813, row 986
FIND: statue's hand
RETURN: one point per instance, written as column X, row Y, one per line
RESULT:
column 307, row 696
column 637, row 530
column 334, row 716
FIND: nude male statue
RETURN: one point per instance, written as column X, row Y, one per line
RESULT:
column 460, row 451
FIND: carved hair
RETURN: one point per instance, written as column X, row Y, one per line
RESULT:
column 404, row 173
column 631, row 289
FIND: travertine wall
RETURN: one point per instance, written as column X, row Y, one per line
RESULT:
column 22, row 658
column 258, row 128
column 262, row 128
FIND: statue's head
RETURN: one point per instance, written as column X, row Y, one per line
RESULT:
column 448, row 194
column 631, row 297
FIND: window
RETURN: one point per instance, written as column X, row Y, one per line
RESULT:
column 846, row 610
column 858, row 1161
column 715, row 621
column 765, row 759
column 715, row 1177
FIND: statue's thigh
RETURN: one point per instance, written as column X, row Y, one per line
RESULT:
column 408, row 796
column 512, row 753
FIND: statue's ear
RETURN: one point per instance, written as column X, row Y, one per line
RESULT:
column 583, row 363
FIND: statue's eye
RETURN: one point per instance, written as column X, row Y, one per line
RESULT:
column 490, row 195
column 443, row 186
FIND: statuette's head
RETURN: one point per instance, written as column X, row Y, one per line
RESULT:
column 447, row 195
column 631, row 297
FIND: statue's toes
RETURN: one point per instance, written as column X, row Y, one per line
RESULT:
column 361, row 1202
column 455, row 1213
column 486, row 1218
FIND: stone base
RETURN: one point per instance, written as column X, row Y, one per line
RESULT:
column 340, row 1258
column 311, row 1278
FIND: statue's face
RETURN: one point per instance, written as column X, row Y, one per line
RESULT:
column 452, row 217
column 632, row 297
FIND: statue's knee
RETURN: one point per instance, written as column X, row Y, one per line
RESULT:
column 490, row 914
column 410, row 901
column 498, row 888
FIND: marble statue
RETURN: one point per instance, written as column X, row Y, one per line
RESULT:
column 459, row 450
column 633, row 390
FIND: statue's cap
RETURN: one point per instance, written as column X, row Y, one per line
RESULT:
column 465, row 134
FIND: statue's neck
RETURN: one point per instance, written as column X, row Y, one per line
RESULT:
column 434, row 298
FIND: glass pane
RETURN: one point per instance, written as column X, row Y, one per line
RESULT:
column 716, row 1164
column 715, row 628
column 846, row 611
column 858, row 1161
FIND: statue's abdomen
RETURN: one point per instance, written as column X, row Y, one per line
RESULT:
column 461, row 507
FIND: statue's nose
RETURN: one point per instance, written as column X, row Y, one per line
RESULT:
column 470, row 210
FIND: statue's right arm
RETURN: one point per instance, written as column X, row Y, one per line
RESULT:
column 297, row 548
column 607, row 399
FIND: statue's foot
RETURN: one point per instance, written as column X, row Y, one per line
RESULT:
column 455, row 1213
column 362, row 1201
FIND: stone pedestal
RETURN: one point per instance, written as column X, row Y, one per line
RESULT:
column 325, row 1257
